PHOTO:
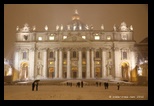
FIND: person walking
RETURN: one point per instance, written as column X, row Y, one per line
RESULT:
column 81, row 84
column 118, row 85
column 33, row 86
column 107, row 85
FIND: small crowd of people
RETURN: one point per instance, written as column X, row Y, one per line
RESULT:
column 98, row 84
column 106, row 85
column 69, row 84
column 79, row 84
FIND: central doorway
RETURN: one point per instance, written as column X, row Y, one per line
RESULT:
column 51, row 72
column 24, row 71
column 74, row 72
column 124, row 70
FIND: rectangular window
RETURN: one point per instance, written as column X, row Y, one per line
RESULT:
column 83, row 55
column 51, row 62
column 84, row 37
column 97, row 37
column 24, row 55
column 109, row 55
column 97, row 54
column 38, row 55
column 64, row 62
column 39, row 38
column 64, row 37
column 51, row 37
column 83, row 62
column 124, row 55
column 65, row 55
column 51, row 54
column 74, row 54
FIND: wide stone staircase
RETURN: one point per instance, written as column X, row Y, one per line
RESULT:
column 64, row 82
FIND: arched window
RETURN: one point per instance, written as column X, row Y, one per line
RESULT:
column 24, row 55
column 51, row 54
column 38, row 55
column 74, row 54
column 97, row 54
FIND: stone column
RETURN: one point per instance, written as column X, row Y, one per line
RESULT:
column 80, row 64
column 16, row 59
column 68, row 64
column 88, row 64
column 118, row 73
column 92, row 63
column 45, row 63
column 60, row 63
column 56, row 63
column 32, row 63
column 104, row 63
column 132, row 58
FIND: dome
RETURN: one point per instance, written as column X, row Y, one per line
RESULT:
column 76, row 24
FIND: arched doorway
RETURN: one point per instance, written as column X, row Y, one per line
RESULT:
column 97, row 72
column 74, row 72
column 124, row 70
column 24, row 71
column 51, row 72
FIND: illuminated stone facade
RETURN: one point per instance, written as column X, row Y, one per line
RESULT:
column 75, row 51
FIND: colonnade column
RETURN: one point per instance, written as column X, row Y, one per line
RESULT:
column 103, row 63
column 68, row 63
column 32, row 63
column 45, row 63
column 16, row 60
column 118, row 74
column 88, row 64
column 92, row 63
column 60, row 63
column 56, row 63
column 80, row 64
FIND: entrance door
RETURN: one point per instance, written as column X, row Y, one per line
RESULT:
column 51, row 72
column 124, row 70
column 74, row 72
column 97, row 72
column 83, row 74
column 24, row 71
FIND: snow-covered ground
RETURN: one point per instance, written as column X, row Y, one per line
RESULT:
column 63, row 92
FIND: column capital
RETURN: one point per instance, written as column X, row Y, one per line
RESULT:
column 55, row 49
column 93, row 49
column 80, row 48
column 116, row 48
column 32, row 49
column 60, row 48
column 68, row 48
column 103, row 49
column 17, row 49
column 44, row 49
column 87, row 48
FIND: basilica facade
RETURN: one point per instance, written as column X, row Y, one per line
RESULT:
column 75, row 51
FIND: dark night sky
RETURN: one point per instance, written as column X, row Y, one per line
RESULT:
column 56, row 14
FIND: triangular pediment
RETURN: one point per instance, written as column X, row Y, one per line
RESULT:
column 74, row 38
